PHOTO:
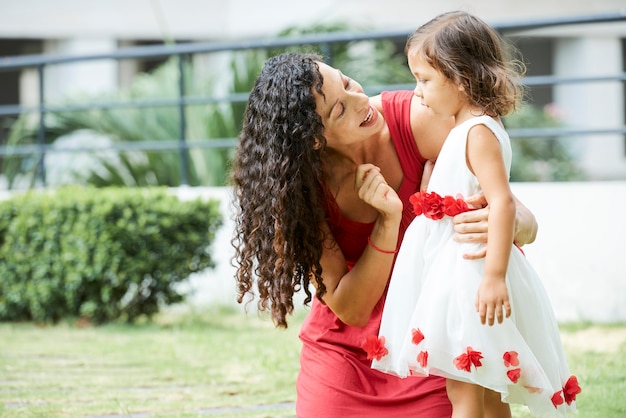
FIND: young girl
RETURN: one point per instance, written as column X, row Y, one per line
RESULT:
column 486, row 325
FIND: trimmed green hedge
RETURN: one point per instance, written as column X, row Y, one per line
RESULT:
column 100, row 254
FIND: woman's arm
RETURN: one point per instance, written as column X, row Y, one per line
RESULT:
column 352, row 294
column 472, row 226
column 526, row 226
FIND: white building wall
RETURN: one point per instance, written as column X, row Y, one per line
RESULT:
column 84, row 78
column 71, row 27
column 596, row 105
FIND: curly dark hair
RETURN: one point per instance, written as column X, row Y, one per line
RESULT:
column 278, row 186
column 468, row 51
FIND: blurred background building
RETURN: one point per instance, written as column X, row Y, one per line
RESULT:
column 68, row 27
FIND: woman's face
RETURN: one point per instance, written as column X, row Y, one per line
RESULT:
column 346, row 112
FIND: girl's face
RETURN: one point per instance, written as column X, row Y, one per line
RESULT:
column 443, row 96
column 346, row 112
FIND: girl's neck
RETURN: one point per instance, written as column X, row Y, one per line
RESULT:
column 468, row 112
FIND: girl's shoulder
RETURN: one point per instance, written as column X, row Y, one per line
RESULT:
column 429, row 131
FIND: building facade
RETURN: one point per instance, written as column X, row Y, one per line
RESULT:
column 67, row 27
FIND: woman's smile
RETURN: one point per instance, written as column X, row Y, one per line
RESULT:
column 371, row 118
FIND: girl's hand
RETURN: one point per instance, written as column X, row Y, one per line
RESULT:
column 492, row 301
column 372, row 188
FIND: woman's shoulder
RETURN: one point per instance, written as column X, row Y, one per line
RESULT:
column 390, row 98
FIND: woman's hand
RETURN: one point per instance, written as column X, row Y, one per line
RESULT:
column 372, row 188
column 352, row 294
column 471, row 227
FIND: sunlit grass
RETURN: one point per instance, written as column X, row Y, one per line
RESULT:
column 597, row 356
column 219, row 362
column 190, row 364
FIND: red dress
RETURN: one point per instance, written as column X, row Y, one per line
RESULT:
column 336, row 378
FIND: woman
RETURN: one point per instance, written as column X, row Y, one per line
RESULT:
column 321, row 183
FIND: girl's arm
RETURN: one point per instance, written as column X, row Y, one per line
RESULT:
column 352, row 294
column 484, row 157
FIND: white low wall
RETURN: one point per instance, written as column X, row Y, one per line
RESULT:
column 579, row 251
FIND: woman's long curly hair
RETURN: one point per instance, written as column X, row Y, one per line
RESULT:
column 468, row 51
column 278, row 186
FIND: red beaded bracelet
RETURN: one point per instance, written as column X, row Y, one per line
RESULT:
column 380, row 250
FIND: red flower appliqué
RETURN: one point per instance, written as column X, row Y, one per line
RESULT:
column 510, row 359
column 417, row 336
column 436, row 207
column 453, row 207
column 422, row 358
column 571, row 389
column 514, row 374
column 416, row 201
column 427, row 204
column 375, row 347
column 467, row 359
column 557, row 399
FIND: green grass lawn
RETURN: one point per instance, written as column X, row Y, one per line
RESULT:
column 220, row 362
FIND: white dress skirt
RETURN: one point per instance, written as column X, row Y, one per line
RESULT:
column 430, row 324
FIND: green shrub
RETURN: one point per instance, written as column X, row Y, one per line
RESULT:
column 100, row 254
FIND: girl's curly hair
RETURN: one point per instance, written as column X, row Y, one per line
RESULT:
column 468, row 51
column 278, row 186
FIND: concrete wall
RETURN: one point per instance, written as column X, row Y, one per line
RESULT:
column 579, row 250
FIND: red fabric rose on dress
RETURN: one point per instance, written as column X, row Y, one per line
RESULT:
column 467, row 359
column 375, row 347
column 436, row 207
column 417, row 337
column 416, row 201
column 510, row 359
column 422, row 358
column 514, row 375
column 432, row 206
column 571, row 389
column 453, row 207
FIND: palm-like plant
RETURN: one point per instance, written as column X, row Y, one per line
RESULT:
column 155, row 124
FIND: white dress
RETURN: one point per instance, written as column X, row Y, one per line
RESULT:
column 432, row 292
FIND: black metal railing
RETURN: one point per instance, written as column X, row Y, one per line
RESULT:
column 183, row 51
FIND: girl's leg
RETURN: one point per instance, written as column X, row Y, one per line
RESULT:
column 467, row 399
column 494, row 407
